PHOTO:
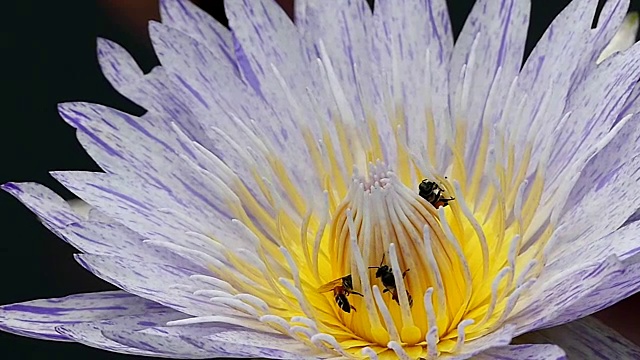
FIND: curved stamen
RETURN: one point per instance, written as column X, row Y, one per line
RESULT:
column 461, row 334
column 367, row 351
column 364, row 278
column 409, row 333
column 326, row 338
column 432, row 342
column 399, row 350
column 494, row 296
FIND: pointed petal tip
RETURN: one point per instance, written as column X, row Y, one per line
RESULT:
column 11, row 187
column 104, row 43
column 154, row 26
column 68, row 113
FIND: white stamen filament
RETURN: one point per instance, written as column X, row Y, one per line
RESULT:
column 440, row 294
column 367, row 351
column 386, row 316
column 461, row 334
column 407, row 318
column 432, row 342
column 363, row 272
column 399, row 350
column 494, row 295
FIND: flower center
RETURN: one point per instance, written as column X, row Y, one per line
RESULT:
column 379, row 264
column 426, row 275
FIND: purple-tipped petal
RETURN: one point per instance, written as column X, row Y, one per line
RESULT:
column 525, row 352
column 586, row 338
column 39, row 318
column 168, row 285
column 584, row 224
column 594, row 108
column 183, row 15
column 212, row 340
column 559, row 53
column 246, row 343
column 609, row 22
column 165, row 100
column 203, row 79
column 497, row 30
column 267, row 36
column 554, row 293
column 270, row 40
column 499, row 337
column 603, row 166
column 345, row 30
column 605, row 294
column 117, row 65
column 406, row 33
column 90, row 333
column 113, row 239
column 49, row 207
column 623, row 243
column 159, row 341
column 123, row 143
column 152, row 281
column 139, row 206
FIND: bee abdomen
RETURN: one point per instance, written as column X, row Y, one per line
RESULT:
column 343, row 302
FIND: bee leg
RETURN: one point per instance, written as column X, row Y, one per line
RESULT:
column 357, row 293
column 385, row 290
column 405, row 273
column 353, row 308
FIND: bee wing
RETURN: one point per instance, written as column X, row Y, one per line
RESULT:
column 330, row 285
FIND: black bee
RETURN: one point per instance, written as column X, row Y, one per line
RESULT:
column 385, row 274
column 341, row 287
column 433, row 193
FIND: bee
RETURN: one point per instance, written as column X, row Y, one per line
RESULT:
column 341, row 287
column 385, row 274
column 433, row 193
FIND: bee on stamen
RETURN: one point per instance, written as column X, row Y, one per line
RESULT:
column 341, row 287
column 385, row 274
column 433, row 193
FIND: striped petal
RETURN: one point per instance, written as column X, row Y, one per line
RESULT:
column 90, row 333
column 39, row 318
column 525, row 352
column 586, row 338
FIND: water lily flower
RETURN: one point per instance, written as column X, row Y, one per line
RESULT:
column 352, row 185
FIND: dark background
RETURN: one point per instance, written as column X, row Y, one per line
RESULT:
column 48, row 57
